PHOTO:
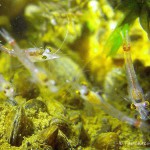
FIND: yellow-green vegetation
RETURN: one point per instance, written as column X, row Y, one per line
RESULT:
column 76, row 30
column 10, row 9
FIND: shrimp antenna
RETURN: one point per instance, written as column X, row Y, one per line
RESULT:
column 66, row 34
column 33, row 44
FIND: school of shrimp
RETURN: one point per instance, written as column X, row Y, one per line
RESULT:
column 75, row 82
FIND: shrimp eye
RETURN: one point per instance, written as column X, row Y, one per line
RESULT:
column 48, row 50
column 146, row 104
column 132, row 106
column 44, row 57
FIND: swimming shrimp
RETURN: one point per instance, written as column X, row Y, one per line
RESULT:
column 135, row 91
column 96, row 99
column 34, row 54
column 38, row 74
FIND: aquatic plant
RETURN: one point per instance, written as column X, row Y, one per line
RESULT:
column 131, row 9
column 43, row 103
column 116, row 39
column 86, row 93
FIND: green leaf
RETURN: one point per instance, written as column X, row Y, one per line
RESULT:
column 145, row 18
column 131, row 10
column 116, row 39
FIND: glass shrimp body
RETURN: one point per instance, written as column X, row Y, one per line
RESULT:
column 95, row 99
column 38, row 74
column 36, row 54
column 33, row 54
column 135, row 90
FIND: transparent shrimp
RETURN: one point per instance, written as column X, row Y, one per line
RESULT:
column 38, row 74
column 96, row 99
column 135, row 90
column 34, row 54
column 38, row 55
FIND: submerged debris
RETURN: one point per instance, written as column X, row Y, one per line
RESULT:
column 18, row 127
column 105, row 141
column 48, row 136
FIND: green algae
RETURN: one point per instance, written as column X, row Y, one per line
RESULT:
column 63, row 120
